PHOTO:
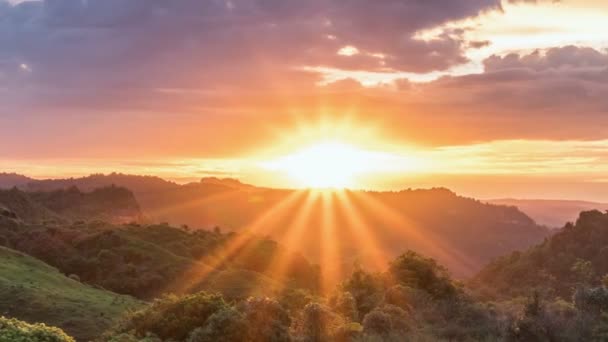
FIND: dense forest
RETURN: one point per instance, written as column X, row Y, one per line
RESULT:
column 72, row 269
column 470, row 233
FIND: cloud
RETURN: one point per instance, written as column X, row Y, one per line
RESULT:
column 199, row 78
column 188, row 43
column 568, row 57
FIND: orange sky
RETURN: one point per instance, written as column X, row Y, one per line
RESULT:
column 488, row 98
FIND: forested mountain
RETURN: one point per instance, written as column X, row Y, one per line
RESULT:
column 18, row 205
column 33, row 291
column 551, row 213
column 110, row 204
column 9, row 180
column 137, row 184
column 574, row 257
column 460, row 232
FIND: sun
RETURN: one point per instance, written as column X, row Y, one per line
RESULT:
column 326, row 164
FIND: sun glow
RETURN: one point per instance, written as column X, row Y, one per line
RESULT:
column 328, row 164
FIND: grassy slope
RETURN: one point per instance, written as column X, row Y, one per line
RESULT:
column 36, row 292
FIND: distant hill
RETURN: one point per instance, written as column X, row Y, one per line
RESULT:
column 227, row 182
column 137, row 184
column 459, row 232
column 33, row 291
column 9, row 180
column 111, row 204
column 24, row 207
column 574, row 256
column 551, row 213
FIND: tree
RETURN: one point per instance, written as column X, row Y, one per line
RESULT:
column 415, row 271
column 366, row 289
column 266, row 320
column 583, row 271
column 225, row 325
column 345, row 304
column 389, row 322
column 318, row 323
column 400, row 296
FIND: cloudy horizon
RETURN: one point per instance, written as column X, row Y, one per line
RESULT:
column 490, row 98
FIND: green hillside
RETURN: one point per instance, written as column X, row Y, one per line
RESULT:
column 146, row 261
column 33, row 291
column 575, row 257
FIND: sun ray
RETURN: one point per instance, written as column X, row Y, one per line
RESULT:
column 329, row 258
column 361, row 231
column 196, row 202
column 213, row 261
column 408, row 230
column 280, row 265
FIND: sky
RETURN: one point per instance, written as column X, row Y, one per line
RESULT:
column 489, row 98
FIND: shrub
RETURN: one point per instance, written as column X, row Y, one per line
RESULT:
column 174, row 318
column 17, row 331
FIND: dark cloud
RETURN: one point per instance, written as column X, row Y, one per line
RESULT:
column 568, row 57
column 561, row 93
column 193, row 43
column 228, row 68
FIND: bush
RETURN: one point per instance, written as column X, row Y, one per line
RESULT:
column 14, row 330
column 174, row 318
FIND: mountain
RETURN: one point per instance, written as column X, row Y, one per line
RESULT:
column 575, row 256
column 9, row 180
column 551, row 213
column 20, row 205
column 459, row 232
column 137, row 184
column 227, row 182
column 33, row 291
column 111, row 204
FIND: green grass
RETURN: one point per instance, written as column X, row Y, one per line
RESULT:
column 33, row 291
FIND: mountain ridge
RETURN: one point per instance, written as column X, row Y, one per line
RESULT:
column 549, row 212
column 112, row 204
column 460, row 232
